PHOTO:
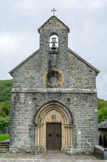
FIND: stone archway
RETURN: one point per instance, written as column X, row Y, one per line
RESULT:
column 53, row 112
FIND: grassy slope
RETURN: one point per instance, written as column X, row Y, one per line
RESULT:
column 4, row 137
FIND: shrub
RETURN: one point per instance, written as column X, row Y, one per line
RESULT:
column 102, row 114
column 2, row 114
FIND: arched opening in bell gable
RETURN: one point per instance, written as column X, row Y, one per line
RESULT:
column 53, row 41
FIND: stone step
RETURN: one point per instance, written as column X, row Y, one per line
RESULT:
column 3, row 150
column 4, row 142
column 4, row 147
column 1, row 144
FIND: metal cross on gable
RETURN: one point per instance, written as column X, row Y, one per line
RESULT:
column 53, row 11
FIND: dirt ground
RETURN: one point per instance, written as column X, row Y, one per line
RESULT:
column 51, row 156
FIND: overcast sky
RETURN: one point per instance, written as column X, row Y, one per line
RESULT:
column 87, row 20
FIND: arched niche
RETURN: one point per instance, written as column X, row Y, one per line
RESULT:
column 53, row 112
column 53, row 41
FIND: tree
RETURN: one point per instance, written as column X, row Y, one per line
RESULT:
column 2, row 114
column 102, row 114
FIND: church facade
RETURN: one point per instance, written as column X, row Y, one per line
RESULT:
column 54, row 97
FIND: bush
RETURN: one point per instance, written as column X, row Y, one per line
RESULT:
column 2, row 114
column 4, row 122
column 101, row 103
column 102, row 114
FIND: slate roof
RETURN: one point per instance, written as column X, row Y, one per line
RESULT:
column 103, row 125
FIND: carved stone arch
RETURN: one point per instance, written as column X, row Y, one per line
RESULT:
column 62, row 115
column 54, row 105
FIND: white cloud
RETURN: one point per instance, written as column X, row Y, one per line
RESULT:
column 97, row 4
column 7, row 42
column 27, row 7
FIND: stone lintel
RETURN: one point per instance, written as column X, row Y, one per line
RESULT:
column 55, row 90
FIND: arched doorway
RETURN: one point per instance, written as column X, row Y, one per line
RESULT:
column 53, row 122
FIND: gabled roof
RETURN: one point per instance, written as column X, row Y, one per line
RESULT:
column 11, row 72
column 80, row 58
column 103, row 125
column 57, row 20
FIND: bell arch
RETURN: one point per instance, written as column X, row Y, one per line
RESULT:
column 54, row 40
column 53, row 112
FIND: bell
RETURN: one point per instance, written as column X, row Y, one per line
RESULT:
column 53, row 43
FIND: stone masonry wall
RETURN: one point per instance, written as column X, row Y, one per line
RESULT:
column 31, row 75
column 83, row 109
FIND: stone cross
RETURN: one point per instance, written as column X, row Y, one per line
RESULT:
column 53, row 11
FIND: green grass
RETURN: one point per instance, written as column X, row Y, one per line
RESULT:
column 4, row 137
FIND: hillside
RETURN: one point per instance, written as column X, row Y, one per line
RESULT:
column 102, row 110
column 5, row 90
column 102, row 103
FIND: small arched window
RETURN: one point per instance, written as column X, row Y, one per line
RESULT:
column 54, row 41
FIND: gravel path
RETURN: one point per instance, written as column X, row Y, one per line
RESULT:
column 51, row 156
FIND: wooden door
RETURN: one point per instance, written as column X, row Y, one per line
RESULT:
column 53, row 136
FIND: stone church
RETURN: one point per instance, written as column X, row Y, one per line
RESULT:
column 54, row 97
